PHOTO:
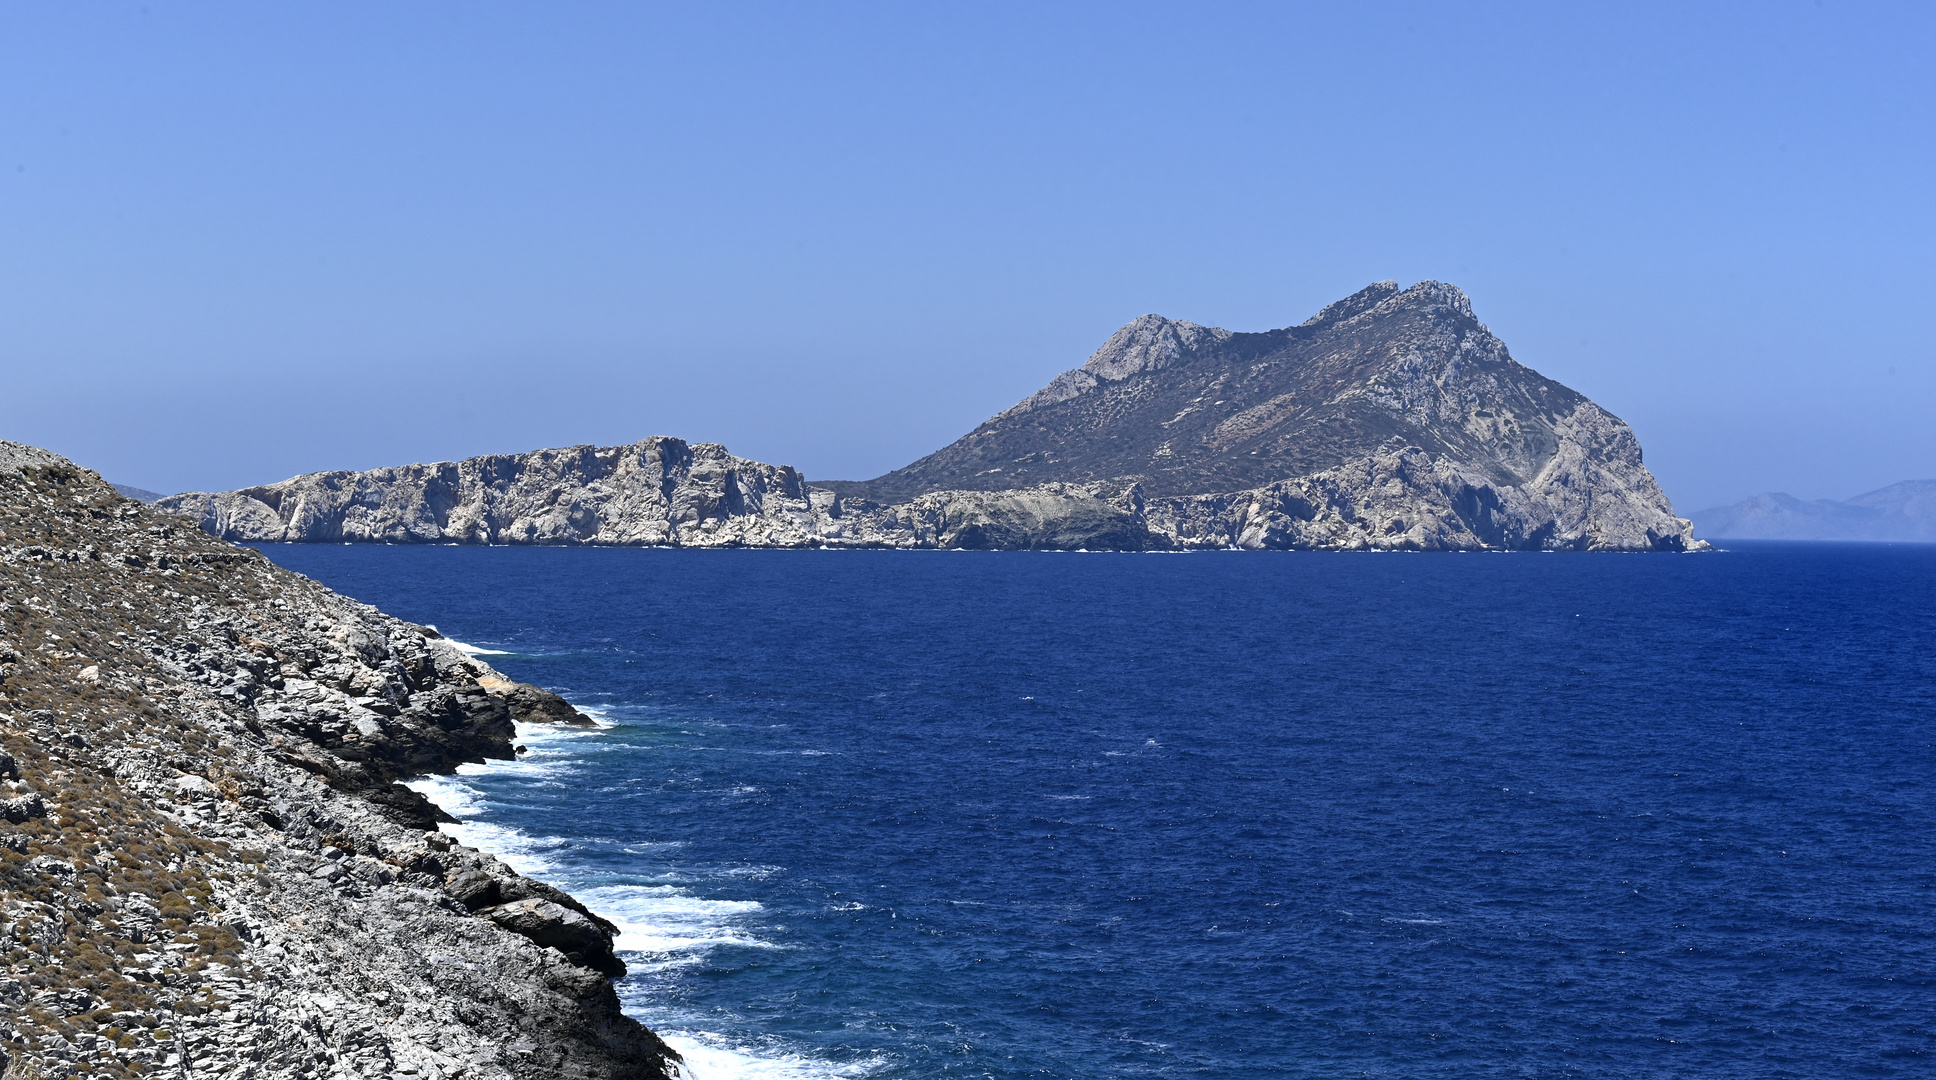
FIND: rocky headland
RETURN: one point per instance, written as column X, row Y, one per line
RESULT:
column 208, row 866
column 1392, row 419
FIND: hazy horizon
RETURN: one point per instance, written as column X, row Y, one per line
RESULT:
column 243, row 244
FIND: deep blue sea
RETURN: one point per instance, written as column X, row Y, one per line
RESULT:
column 958, row 814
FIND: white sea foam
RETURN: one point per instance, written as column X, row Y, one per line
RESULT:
column 536, row 856
column 660, row 927
column 667, row 919
column 653, row 920
column 451, row 795
column 550, row 738
column 757, row 873
column 468, row 649
column 596, row 715
column 711, row 1056
column 532, row 856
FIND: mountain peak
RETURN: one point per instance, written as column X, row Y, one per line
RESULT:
column 1150, row 343
column 1387, row 296
column 1356, row 304
column 1426, row 294
column 1181, row 408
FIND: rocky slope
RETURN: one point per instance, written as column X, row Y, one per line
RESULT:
column 207, row 864
column 1185, row 409
column 142, row 495
column 1392, row 419
column 1904, row 512
column 659, row 491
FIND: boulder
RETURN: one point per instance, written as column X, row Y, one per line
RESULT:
column 583, row 941
column 23, row 808
column 532, row 705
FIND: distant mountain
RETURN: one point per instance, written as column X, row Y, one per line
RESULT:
column 1176, row 410
column 1393, row 419
column 1184, row 409
column 137, row 494
column 1899, row 512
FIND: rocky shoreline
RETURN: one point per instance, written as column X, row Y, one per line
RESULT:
column 662, row 492
column 208, row 866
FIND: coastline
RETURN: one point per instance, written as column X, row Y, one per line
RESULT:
column 207, row 859
column 964, row 793
column 661, row 927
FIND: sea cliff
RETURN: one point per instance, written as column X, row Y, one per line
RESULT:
column 208, row 865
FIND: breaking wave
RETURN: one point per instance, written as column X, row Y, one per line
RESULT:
column 663, row 927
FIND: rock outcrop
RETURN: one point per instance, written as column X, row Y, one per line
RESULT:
column 207, row 864
column 1393, row 419
column 659, row 491
column 1186, row 410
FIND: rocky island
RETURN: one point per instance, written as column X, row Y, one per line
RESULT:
column 208, row 866
column 1392, row 419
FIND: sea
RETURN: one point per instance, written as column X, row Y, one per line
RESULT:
column 935, row 815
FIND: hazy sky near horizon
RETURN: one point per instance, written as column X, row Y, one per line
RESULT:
column 240, row 241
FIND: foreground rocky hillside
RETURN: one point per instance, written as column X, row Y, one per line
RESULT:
column 207, row 864
column 1393, row 419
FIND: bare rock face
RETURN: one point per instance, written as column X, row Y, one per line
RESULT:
column 1098, row 517
column 1186, row 410
column 581, row 938
column 207, row 864
column 1391, row 419
column 658, row 491
column 1406, row 500
column 534, row 705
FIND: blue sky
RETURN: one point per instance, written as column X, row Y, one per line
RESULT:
column 242, row 241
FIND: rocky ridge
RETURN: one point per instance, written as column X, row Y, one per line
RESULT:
column 658, row 491
column 1183, row 409
column 1392, row 419
column 208, row 866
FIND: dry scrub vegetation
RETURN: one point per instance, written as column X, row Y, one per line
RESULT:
column 107, row 918
column 207, row 867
